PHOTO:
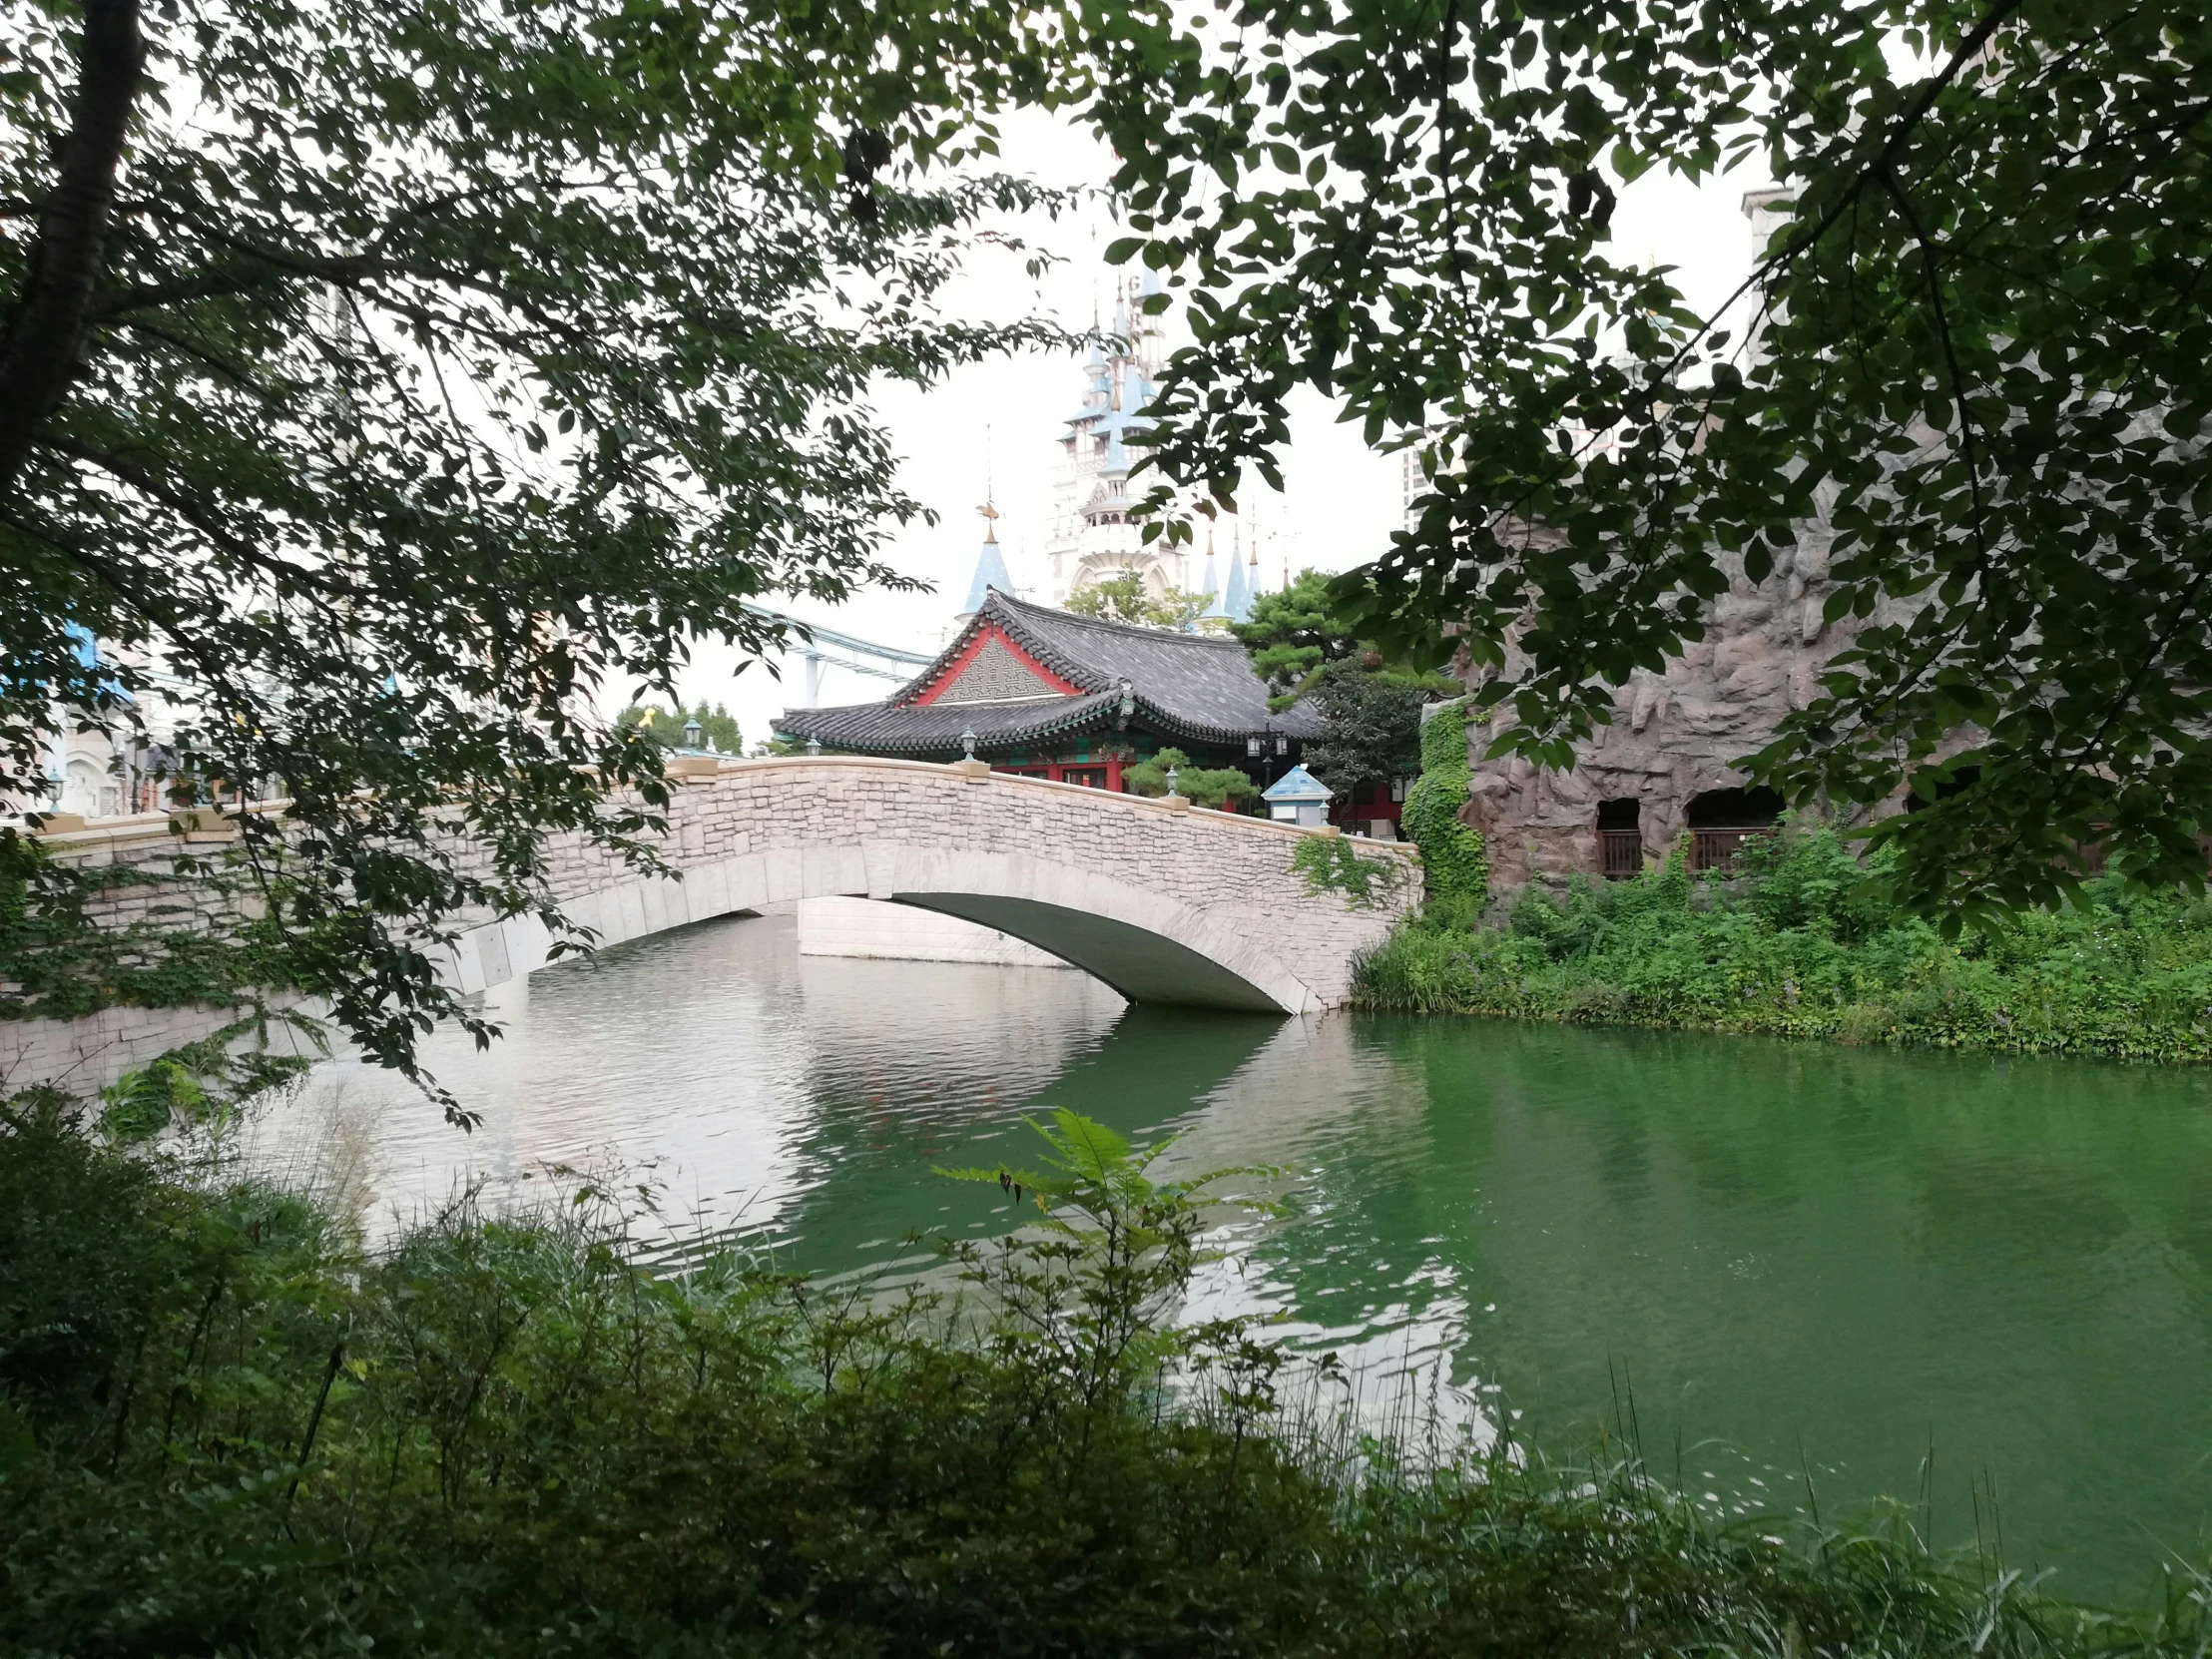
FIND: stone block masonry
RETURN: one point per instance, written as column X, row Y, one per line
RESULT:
column 1165, row 903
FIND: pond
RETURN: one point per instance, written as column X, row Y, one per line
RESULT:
column 1794, row 1274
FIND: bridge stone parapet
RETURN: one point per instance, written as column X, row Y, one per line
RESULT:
column 1165, row 903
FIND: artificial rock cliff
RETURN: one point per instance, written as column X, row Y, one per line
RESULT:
column 1675, row 736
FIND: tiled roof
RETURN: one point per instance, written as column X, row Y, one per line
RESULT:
column 935, row 728
column 1191, row 685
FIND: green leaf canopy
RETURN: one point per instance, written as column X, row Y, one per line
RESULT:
column 1969, row 402
column 381, row 378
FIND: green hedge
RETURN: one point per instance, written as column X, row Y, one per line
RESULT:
column 1807, row 945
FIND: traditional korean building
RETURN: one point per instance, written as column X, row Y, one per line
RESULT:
column 1073, row 699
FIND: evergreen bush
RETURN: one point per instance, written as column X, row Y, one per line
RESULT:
column 1222, row 788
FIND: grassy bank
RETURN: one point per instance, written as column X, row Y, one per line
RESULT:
column 1803, row 945
column 229, row 1430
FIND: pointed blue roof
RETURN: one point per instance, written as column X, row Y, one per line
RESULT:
column 1298, row 785
column 990, row 572
column 1236, row 604
column 1215, row 610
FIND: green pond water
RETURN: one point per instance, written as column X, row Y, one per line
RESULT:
column 1781, row 1267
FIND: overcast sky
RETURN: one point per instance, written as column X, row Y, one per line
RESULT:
column 1002, row 418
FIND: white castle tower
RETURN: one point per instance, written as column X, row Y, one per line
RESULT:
column 1090, row 534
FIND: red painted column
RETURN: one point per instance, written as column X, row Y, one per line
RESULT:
column 1052, row 770
column 1113, row 773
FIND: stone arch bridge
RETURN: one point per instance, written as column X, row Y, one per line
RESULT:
column 1164, row 903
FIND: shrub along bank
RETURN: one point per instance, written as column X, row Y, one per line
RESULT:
column 227, row 1429
column 1804, row 943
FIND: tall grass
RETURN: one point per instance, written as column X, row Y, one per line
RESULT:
column 1804, row 943
column 228, row 1428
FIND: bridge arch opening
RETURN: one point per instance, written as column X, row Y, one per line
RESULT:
column 1143, row 966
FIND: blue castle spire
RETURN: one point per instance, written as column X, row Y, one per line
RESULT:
column 1236, row 604
column 990, row 568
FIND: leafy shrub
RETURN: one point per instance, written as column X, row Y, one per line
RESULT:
column 1806, row 942
column 1332, row 863
column 225, row 1429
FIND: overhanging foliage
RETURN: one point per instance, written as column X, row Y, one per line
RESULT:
column 393, row 374
column 1980, row 334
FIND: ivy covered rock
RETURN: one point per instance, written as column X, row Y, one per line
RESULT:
column 1456, row 861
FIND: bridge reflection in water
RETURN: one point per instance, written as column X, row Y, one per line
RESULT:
column 1799, row 1258
column 749, row 1081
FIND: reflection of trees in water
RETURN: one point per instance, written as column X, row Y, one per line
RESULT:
column 886, row 1110
column 1767, row 1241
column 1773, row 1243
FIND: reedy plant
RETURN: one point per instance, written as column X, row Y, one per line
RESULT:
column 1082, row 1298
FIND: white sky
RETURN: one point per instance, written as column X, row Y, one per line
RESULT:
column 1341, row 501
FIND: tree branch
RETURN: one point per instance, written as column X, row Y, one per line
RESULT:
column 39, row 356
column 1951, row 358
column 215, row 284
column 311, row 583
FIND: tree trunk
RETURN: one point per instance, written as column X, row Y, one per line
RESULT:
column 39, row 356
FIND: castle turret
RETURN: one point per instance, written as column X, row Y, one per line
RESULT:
column 990, row 567
column 1092, row 534
column 1236, row 605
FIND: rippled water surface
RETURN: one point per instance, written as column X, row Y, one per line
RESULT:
column 1782, row 1263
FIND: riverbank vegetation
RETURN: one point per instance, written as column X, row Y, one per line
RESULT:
column 227, row 1426
column 1804, row 942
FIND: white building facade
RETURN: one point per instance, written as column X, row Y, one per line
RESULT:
column 1090, row 535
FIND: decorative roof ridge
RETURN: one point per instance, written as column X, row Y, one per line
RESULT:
column 1005, row 702
column 994, row 613
column 1129, row 630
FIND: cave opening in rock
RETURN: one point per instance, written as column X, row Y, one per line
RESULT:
column 1620, row 838
column 1721, row 820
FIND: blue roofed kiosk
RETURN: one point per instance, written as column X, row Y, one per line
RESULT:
column 1073, row 699
column 1298, row 796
